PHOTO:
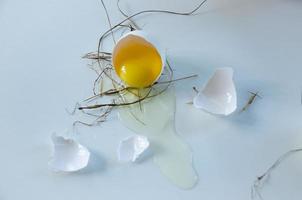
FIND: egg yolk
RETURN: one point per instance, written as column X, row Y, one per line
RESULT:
column 136, row 61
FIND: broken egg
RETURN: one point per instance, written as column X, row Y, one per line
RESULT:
column 133, row 147
column 138, row 60
column 219, row 94
column 68, row 155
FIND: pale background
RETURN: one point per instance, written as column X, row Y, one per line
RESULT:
column 42, row 73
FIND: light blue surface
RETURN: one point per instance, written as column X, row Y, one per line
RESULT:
column 42, row 73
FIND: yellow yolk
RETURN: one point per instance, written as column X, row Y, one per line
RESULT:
column 136, row 61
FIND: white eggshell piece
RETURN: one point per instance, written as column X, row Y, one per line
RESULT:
column 68, row 155
column 219, row 94
column 131, row 148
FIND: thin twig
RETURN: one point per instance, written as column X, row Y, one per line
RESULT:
column 98, row 120
column 77, row 105
column 136, row 101
column 251, row 100
column 139, row 13
column 114, row 104
column 259, row 182
column 108, row 18
column 148, row 11
column 116, row 91
column 179, row 79
column 105, row 56
column 195, row 90
column 102, row 55
column 135, row 26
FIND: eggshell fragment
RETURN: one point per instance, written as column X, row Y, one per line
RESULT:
column 219, row 94
column 131, row 148
column 68, row 155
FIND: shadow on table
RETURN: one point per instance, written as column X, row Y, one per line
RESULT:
column 97, row 164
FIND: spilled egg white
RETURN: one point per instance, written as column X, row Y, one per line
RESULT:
column 151, row 40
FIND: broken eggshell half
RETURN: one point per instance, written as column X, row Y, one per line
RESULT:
column 219, row 94
column 138, row 59
column 132, row 148
column 68, row 155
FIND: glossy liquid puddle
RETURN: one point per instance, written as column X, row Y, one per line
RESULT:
column 154, row 118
